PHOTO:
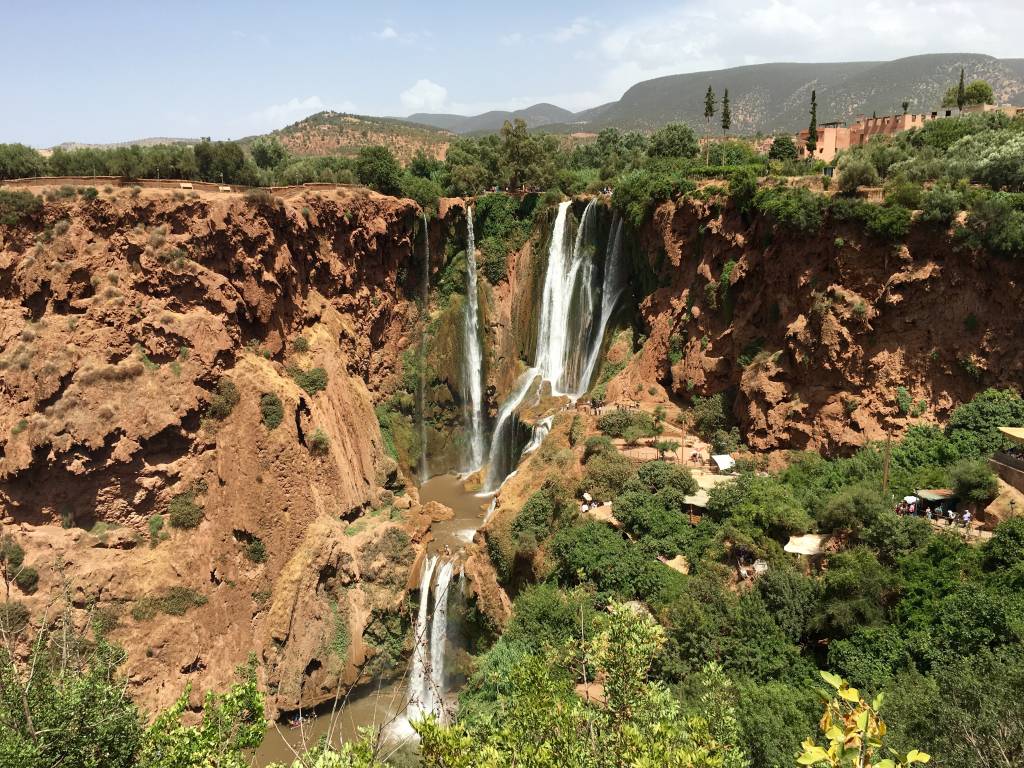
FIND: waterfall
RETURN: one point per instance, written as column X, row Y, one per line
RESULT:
column 434, row 699
column 570, row 331
column 472, row 362
column 418, row 681
column 612, row 286
column 540, row 431
column 424, row 470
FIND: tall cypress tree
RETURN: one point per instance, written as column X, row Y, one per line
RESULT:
column 961, row 92
column 812, row 130
column 709, row 112
column 726, row 113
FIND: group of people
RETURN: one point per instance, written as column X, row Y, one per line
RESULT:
column 948, row 513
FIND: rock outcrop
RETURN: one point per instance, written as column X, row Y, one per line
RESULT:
column 217, row 357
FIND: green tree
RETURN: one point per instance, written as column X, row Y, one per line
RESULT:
column 973, row 428
column 782, row 148
column 974, row 482
column 726, row 112
column 18, row 161
column 378, row 169
column 64, row 702
column 232, row 724
column 812, row 129
column 960, row 96
column 675, row 140
column 709, row 112
column 267, row 152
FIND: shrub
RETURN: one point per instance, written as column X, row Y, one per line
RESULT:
column 319, row 443
column 597, row 445
column 260, row 198
column 377, row 168
column 312, row 381
column 902, row 192
column 857, row 171
column 904, row 401
column 794, row 208
column 996, row 223
column 156, row 530
column 940, row 204
column 255, row 550
column 617, row 423
column 654, row 476
column 271, row 410
column 27, row 580
column 174, row 602
column 606, row 475
column 301, row 344
column 576, row 430
column 743, row 188
column 224, row 402
column 16, row 207
column 709, row 415
column 495, row 262
column 974, row 481
column 13, row 617
column 183, row 512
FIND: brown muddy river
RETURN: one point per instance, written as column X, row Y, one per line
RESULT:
column 380, row 703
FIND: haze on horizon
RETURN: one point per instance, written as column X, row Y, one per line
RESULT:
column 112, row 71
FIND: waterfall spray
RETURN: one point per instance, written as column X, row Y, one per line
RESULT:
column 472, row 363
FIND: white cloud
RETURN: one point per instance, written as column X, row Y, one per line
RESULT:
column 388, row 33
column 424, row 96
column 513, row 38
column 279, row 115
column 579, row 27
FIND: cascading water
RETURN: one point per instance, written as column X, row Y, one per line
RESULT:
column 540, row 431
column 418, row 680
column 438, row 640
column 612, row 286
column 472, row 363
column 570, row 334
column 424, row 470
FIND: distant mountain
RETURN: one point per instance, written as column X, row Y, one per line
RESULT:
column 776, row 97
column 339, row 133
column 537, row 116
column 768, row 97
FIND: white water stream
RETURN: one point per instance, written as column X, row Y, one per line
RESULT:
column 472, row 363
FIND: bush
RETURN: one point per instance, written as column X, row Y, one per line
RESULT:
column 27, row 580
column 301, row 344
column 941, row 204
column 974, row 481
column 319, row 443
column 255, row 550
column 597, row 445
column 904, row 193
column 795, row 208
column 16, row 207
column 424, row 191
column 495, row 262
column 176, row 601
column 973, row 428
column 997, row 224
column 13, row 617
column 312, row 381
column 183, row 512
column 606, row 475
column 261, row 198
column 637, row 191
column 271, row 410
column 709, row 415
column 224, row 402
column 857, row 171
column 618, row 423
column 654, row 476
column 576, row 430
column 743, row 188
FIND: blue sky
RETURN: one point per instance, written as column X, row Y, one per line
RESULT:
column 111, row 71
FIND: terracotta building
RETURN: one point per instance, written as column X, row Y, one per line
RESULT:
column 836, row 136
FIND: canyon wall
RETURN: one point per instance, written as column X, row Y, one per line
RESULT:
column 159, row 357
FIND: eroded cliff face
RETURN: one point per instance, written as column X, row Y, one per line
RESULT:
column 812, row 336
column 120, row 318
